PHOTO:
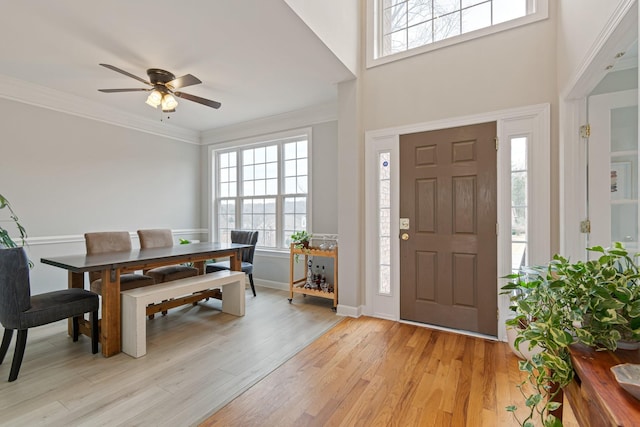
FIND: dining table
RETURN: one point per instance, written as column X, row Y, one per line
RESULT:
column 113, row 264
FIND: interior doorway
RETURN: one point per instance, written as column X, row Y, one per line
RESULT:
column 587, row 160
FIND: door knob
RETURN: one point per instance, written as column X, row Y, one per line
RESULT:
column 405, row 236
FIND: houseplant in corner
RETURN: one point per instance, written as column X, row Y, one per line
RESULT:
column 5, row 239
column 539, row 321
column 594, row 302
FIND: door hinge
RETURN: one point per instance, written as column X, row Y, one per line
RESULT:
column 497, row 143
column 498, row 314
column 585, row 131
column 497, row 229
column 585, row 226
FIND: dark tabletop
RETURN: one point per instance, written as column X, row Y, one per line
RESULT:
column 83, row 262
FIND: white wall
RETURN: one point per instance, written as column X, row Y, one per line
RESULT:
column 333, row 22
column 65, row 175
column 504, row 70
column 579, row 25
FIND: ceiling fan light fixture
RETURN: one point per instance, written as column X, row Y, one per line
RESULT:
column 161, row 85
column 154, row 99
column 169, row 103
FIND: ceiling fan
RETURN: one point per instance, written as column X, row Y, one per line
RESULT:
column 163, row 85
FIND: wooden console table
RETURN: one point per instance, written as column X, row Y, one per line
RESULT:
column 594, row 395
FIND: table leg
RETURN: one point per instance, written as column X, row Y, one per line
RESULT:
column 110, row 323
column 200, row 266
column 74, row 280
column 235, row 261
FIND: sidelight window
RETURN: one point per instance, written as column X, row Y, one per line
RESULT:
column 519, row 203
column 384, row 231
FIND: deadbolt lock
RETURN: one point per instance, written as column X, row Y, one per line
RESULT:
column 405, row 236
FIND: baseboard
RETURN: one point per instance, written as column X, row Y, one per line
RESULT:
column 349, row 311
column 271, row 284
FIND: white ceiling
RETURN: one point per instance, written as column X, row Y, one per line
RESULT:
column 256, row 57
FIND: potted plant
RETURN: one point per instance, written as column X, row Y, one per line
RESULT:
column 526, row 279
column 593, row 302
column 300, row 240
column 5, row 239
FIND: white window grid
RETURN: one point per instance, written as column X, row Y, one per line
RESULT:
column 263, row 187
column 519, row 202
column 401, row 28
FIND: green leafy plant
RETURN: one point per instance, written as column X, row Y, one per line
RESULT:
column 300, row 240
column 5, row 239
column 184, row 241
column 593, row 302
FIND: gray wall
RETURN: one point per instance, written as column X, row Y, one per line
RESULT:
column 65, row 175
column 272, row 268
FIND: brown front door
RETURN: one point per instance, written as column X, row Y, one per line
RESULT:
column 448, row 255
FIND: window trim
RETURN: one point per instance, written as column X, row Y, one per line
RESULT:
column 253, row 141
column 374, row 23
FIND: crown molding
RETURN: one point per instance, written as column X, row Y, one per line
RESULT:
column 40, row 96
column 615, row 36
column 293, row 119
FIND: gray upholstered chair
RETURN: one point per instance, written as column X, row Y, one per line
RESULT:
column 163, row 238
column 113, row 241
column 19, row 310
column 247, row 238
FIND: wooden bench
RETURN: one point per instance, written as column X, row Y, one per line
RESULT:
column 140, row 302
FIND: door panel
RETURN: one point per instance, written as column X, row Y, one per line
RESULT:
column 613, row 169
column 448, row 264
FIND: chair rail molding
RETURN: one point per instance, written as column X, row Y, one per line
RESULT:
column 77, row 238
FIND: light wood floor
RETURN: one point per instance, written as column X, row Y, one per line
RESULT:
column 372, row 372
column 198, row 359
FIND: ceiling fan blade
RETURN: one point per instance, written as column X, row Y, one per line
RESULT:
column 124, row 90
column 203, row 101
column 118, row 70
column 186, row 80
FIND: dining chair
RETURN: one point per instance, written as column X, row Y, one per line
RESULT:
column 19, row 310
column 246, row 238
column 113, row 241
column 163, row 238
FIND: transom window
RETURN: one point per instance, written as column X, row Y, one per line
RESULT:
column 262, row 187
column 405, row 25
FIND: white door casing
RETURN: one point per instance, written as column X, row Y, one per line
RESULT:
column 532, row 121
